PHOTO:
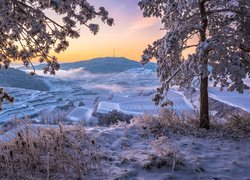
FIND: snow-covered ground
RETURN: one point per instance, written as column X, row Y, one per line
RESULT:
column 142, row 151
column 80, row 114
column 137, row 154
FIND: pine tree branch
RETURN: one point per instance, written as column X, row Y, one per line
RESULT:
column 244, row 48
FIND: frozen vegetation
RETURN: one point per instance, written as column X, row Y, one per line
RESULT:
column 126, row 135
column 95, row 119
column 148, row 148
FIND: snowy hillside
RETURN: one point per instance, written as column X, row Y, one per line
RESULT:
column 16, row 78
column 104, row 65
column 102, row 90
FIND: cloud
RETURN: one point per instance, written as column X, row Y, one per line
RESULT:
column 73, row 74
column 121, row 7
column 143, row 23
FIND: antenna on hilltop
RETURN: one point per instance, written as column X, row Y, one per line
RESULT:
column 113, row 52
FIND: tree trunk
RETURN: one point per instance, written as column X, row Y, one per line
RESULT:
column 245, row 25
column 204, row 109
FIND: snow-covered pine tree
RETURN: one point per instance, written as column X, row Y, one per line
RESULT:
column 27, row 32
column 214, row 33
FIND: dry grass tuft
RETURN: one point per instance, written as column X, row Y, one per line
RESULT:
column 170, row 123
column 239, row 126
column 112, row 118
column 49, row 153
column 166, row 155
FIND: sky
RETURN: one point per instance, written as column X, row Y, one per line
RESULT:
column 127, row 38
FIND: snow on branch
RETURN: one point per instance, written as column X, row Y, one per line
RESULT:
column 28, row 32
column 222, row 54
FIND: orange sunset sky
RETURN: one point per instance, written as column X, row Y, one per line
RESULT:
column 128, row 37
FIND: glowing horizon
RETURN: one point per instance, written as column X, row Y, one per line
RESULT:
column 128, row 37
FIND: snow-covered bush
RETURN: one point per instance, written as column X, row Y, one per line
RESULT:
column 5, row 96
column 81, row 103
column 168, row 122
column 240, row 125
column 112, row 118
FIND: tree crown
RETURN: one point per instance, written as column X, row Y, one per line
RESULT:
column 26, row 32
column 225, row 49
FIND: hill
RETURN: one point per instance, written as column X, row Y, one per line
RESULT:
column 16, row 78
column 104, row 65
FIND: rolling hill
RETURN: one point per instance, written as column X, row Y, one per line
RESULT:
column 104, row 65
column 19, row 79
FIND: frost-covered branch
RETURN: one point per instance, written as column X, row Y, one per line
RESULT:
column 218, row 29
column 27, row 32
column 5, row 96
column 226, row 46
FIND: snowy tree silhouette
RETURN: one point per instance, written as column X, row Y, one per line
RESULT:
column 27, row 32
column 215, row 33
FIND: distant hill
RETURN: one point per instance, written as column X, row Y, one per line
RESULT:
column 16, row 78
column 104, row 65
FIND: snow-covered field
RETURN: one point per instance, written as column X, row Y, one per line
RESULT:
column 130, row 92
